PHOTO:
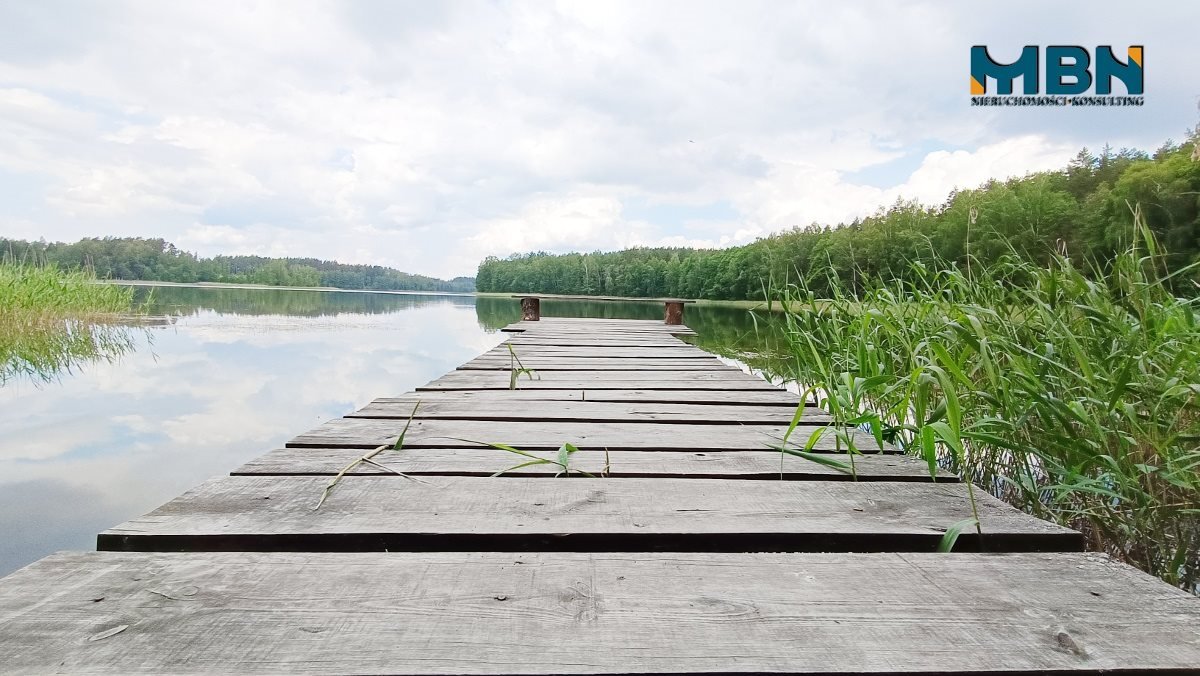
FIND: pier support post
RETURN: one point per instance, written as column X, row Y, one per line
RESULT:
column 673, row 312
column 531, row 308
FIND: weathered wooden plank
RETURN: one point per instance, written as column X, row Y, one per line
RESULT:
column 681, row 351
column 597, row 339
column 546, row 327
column 557, row 324
column 701, row 397
column 373, row 513
column 684, row 352
column 520, row 339
column 653, row 324
column 597, row 613
column 586, row 362
column 653, row 336
column 727, row 374
column 731, row 380
column 586, row 411
column 764, row 465
column 370, row 432
column 579, row 325
column 556, row 363
column 608, row 331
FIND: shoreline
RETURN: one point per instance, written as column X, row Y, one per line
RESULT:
column 740, row 304
column 269, row 287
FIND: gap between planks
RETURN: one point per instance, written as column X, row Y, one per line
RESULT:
column 749, row 465
column 519, row 398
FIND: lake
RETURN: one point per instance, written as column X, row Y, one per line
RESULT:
column 238, row 373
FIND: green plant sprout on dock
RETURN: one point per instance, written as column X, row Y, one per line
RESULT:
column 369, row 459
column 562, row 459
column 807, row 451
column 844, row 436
column 516, row 369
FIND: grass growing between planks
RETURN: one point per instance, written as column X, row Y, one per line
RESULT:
column 369, row 459
column 53, row 320
column 516, row 369
column 1068, row 392
column 561, row 459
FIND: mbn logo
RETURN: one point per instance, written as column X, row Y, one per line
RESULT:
column 1067, row 71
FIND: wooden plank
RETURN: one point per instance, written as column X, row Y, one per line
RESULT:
column 551, row 321
column 652, row 337
column 546, row 327
column 596, row 364
column 597, row 613
column 587, row 411
column 700, row 397
column 763, row 465
column 586, row 352
column 607, row 332
column 369, row 433
column 591, row 341
column 564, row 324
column 727, row 375
column 374, row 513
column 636, row 338
column 665, row 352
column 731, row 381
column 576, row 323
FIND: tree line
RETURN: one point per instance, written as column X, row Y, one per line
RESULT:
column 155, row 259
column 1083, row 209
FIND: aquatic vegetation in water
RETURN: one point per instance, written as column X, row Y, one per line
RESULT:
column 53, row 321
column 1071, row 392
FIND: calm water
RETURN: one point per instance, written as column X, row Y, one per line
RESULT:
column 240, row 372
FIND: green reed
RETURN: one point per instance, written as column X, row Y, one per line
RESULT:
column 1069, row 391
column 53, row 320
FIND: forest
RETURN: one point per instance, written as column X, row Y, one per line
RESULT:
column 136, row 258
column 1083, row 210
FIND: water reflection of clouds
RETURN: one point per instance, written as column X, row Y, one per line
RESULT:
column 214, row 391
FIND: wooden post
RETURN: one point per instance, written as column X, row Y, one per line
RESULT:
column 673, row 312
column 531, row 309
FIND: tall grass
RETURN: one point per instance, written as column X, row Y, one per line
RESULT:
column 1069, row 392
column 52, row 320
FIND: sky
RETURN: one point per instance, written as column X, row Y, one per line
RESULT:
column 427, row 135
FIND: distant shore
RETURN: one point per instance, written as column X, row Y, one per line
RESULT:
column 744, row 304
column 268, row 287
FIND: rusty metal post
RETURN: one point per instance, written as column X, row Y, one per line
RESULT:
column 673, row 312
column 531, row 309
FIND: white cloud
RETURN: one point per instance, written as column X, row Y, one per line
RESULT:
column 576, row 221
column 426, row 136
column 800, row 193
column 941, row 171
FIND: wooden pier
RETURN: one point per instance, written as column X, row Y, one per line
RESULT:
column 694, row 547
